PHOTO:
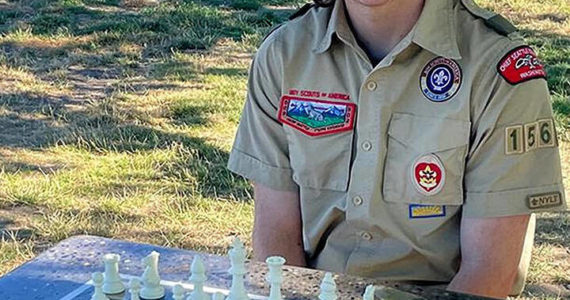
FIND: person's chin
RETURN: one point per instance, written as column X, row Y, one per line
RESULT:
column 371, row 3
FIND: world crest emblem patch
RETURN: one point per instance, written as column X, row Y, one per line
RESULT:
column 316, row 117
column 440, row 79
column 428, row 175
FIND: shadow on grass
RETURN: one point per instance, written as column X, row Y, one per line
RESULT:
column 105, row 128
column 553, row 229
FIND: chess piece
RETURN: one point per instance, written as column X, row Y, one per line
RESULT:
column 328, row 288
column 112, row 283
column 217, row 296
column 238, row 271
column 197, row 278
column 178, row 292
column 275, row 276
column 369, row 293
column 98, row 294
column 151, row 279
column 134, row 288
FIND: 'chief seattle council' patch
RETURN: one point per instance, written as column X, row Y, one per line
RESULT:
column 440, row 79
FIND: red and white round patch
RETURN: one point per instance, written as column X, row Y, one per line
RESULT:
column 428, row 175
column 520, row 65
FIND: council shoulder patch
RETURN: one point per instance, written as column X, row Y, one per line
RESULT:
column 440, row 79
column 428, row 175
column 520, row 65
column 544, row 200
column 426, row 211
column 316, row 117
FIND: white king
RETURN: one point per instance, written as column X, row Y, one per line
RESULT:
column 238, row 271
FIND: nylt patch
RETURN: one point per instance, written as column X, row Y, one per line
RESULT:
column 544, row 200
column 520, row 65
column 426, row 211
column 316, row 117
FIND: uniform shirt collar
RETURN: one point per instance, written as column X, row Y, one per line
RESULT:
column 435, row 30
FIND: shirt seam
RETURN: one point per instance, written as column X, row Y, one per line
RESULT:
column 243, row 152
column 553, row 185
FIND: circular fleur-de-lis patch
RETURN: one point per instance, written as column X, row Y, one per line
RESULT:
column 440, row 79
column 428, row 175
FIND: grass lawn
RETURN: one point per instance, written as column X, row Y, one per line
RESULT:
column 116, row 119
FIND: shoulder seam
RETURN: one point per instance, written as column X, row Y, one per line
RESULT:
column 491, row 66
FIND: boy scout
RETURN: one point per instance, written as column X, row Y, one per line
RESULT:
column 405, row 140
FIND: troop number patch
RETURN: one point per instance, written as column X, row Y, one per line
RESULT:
column 316, row 117
column 440, row 79
column 426, row 211
column 520, row 65
column 428, row 175
column 530, row 136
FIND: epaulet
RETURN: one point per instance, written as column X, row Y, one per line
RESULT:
column 301, row 11
column 271, row 31
column 491, row 19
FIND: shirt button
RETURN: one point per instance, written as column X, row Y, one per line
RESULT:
column 371, row 85
column 357, row 201
column 366, row 146
column 367, row 236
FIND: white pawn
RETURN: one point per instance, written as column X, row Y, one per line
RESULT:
column 134, row 288
column 369, row 293
column 238, row 271
column 197, row 278
column 328, row 288
column 217, row 296
column 178, row 292
column 275, row 276
column 151, row 279
column 98, row 294
column 112, row 283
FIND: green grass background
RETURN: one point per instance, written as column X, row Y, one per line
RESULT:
column 116, row 119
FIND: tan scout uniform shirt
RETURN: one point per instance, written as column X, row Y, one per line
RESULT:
column 388, row 158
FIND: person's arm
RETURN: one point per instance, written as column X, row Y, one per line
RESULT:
column 490, row 253
column 277, row 225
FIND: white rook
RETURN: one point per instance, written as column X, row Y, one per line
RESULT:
column 275, row 276
column 112, row 283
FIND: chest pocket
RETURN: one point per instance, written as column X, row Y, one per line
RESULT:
column 425, row 160
column 321, row 162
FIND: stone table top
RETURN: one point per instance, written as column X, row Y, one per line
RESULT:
column 63, row 272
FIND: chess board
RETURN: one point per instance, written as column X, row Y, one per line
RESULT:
column 63, row 272
column 85, row 290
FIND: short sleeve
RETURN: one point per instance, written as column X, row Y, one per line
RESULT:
column 260, row 150
column 513, row 164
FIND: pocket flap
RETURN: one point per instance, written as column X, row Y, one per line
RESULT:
column 450, row 133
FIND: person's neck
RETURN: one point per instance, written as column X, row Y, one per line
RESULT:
column 382, row 26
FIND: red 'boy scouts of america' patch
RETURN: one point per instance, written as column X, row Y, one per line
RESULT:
column 520, row 65
column 316, row 117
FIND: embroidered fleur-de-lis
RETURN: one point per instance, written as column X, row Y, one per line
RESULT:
column 440, row 78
